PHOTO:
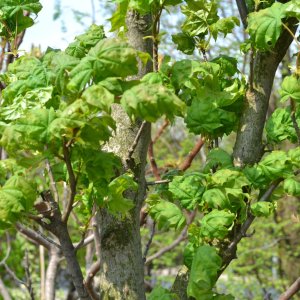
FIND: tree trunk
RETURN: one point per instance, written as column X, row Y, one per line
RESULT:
column 248, row 147
column 121, row 263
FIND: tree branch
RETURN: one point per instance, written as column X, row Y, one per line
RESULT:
column 230, row 253
column 189, row 159
column 33, row 235
column 52, row 181
column 243, row 10
column 291, row 291
column 89, row 279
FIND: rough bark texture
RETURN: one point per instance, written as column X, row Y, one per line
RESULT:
column 121, row 264
column 248, row 148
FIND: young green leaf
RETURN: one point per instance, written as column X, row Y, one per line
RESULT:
column 279, row 126
column 292, row 187
column 290, row 88
column 216, row 224
column 265, row 26
column 166, row 214
column 151, row 101
column 204, row 273
column 188, row 189
column 262, row 209
column 184, row 42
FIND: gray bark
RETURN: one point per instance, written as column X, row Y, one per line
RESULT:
column 248, row 147
column 121, row 263
column 3, row 291
column 54, row 259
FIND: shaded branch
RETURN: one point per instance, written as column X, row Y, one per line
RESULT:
column 291, row 291
column 230, row 253
column 35, row 236
column 153, row 164
column 89, row 279
column 243, row 10
column 147, row 248
column 28, row 277
column 189, row 159
column 72, row 179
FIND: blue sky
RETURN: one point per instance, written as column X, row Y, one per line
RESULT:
column 47, row 32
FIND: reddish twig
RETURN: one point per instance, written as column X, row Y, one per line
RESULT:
column 153, row 164
column 160, row 131
column 291, row 291
column 189, row 159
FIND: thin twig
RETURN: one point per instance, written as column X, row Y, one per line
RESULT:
column 189, row 159
column 164, row 181
column 73, row 182
column 291, row 291
column 28, row 277
column 8, row 250
column 175, row 243
column 85, row 242
column 52, row 181
column 136, row 140
column 153, row 164
column 147, row 248
column 161, row 130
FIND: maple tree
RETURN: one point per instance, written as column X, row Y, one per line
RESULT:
column 76, row 127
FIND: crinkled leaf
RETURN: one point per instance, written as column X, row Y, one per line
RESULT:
column 290, row 88
column 184, row 42
column 291, row 186
column 204, row 273
column 228, row 64
column 36, row 98
column 188, row 189
column 294, row 155
column 29, row 73
column 217, row 223
column 30, row 132
column 225, row 26
column 59, row 64
column 109, row 58
column 16, row 196
column 166, row 214
column 199, row 15
column 218, row 158
column 91, row 37
column 262, row 209
column 159, row 293
column 280, row 127
column 151, row 101
column 115, row 201
column 292, row 9
column 265, row 26
column 276, row 164
column 99, row 96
